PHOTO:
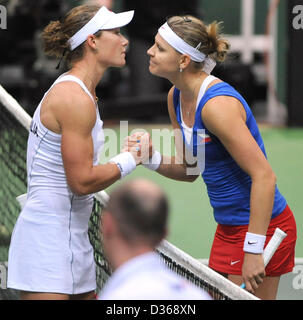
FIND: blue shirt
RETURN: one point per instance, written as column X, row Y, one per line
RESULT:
column 228, row 186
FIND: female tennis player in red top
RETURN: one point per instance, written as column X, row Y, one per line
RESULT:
column 216, row 126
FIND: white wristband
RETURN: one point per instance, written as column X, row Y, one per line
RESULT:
column 154, row 162
column 125, row 162
column 254, row 243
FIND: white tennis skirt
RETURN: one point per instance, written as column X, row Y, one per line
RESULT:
column 50, row 249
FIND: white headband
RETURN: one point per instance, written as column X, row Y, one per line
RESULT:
column 179, row 44
column 104, row 19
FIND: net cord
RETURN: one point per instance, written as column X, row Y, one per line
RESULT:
column 210, row 276
column 15, row 109
column 213, row 278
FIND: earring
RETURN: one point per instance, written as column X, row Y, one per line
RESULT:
column 180, row 69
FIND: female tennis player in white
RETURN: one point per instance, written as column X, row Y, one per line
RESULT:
column 50, row 256
column 216, row 126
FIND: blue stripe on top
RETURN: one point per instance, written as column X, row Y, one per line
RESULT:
column 228, row 186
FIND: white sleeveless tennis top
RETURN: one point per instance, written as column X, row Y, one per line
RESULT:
column 50, row 249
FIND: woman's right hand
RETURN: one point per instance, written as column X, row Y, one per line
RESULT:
column 139, row 145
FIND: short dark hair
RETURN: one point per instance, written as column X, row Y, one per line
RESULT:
column 140, row 215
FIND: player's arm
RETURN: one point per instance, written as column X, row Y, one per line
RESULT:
column 225, row 117
column 76, row 117
column 176, row 167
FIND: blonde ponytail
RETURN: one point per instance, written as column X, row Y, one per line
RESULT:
column 218, row 46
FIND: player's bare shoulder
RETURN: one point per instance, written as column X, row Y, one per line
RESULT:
column 70, row 95
column 70, row 104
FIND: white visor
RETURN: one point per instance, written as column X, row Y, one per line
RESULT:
column 104, row 19
column 179, row 44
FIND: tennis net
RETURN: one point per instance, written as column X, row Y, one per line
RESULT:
column 14, row 126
